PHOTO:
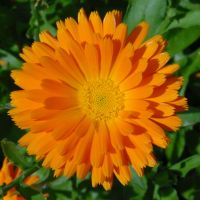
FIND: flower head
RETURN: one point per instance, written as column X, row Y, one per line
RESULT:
column 96, row 99
column 8, row 173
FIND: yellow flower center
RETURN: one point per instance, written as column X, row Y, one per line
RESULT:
column 101, row 99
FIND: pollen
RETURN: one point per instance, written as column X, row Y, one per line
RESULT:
column 101, row 99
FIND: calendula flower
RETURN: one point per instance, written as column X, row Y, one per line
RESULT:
column 96, row 99
column 8, row 173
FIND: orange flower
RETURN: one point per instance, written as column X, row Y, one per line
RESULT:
column 8, row 173
column 96, row 99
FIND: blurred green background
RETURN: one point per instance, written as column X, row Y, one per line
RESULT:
column 177, row 175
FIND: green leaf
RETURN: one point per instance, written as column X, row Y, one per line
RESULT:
column 186, row 165
column 138, row 181
column 43, row 174
column 190, row 19
column 176, row 146
column 164, row 193
column 193, row 140
column 11, row 60
column 61, row 184
column 168, row 193
column 38, row 197
column 29, row 192
column 190, row 117
column 14, row 154
column 189, row 187
column 181, row 59
column 135, row 13
column 190, row 69
column 139, row 185
column 187, row 4
column 179, row 39
column 1, row 192
column 162, row 178
column 154, row 14
column 62, row 197
column 152, row 11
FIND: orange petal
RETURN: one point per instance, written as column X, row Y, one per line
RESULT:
column 58, row 72
column 82, row 150
column 131, row 81
column 106, row 52
column 99, row 145
column 116, row 137
column 120, row 34
column 83, row 24
column 57, row 88
column 174, row 83
column 169, row 69
column 23, row 80
column 38, row 148
column 37, row 95
column 41, row 49
column 163, row 95
column 96, row 22
column 26, row 139
column 171, row 123
column 28, row 55
column 124, row 127
column 156, row 133
column 150, row 49
column 162, row 58
column 82, row 170
column 138, row 34
column 43, row 114
column 109, row 24
column 119, row 158
column 70, row 169
column 180, row 104
column 72, row 27
column 93, row 61
column 142, row 141
column 60, row 103
column 117, row 15
column 153, row 79
column 140, row 65
column 123, row 174
column 72, row 119
column 121, row 71
column 139, row 93
column 136, row 105
column 47, row 38
column 107, row 166
column 97, row 176
column 164, row 110
column 69, row 65
column 136, row 160
column 107, row 184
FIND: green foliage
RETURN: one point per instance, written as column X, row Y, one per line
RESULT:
column 191, row 117
column 177, row 175
column 16, row 154
column 152, row 11
column 184, row 166
column 176, row 147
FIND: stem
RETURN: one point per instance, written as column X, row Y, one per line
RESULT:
column 20, row 178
